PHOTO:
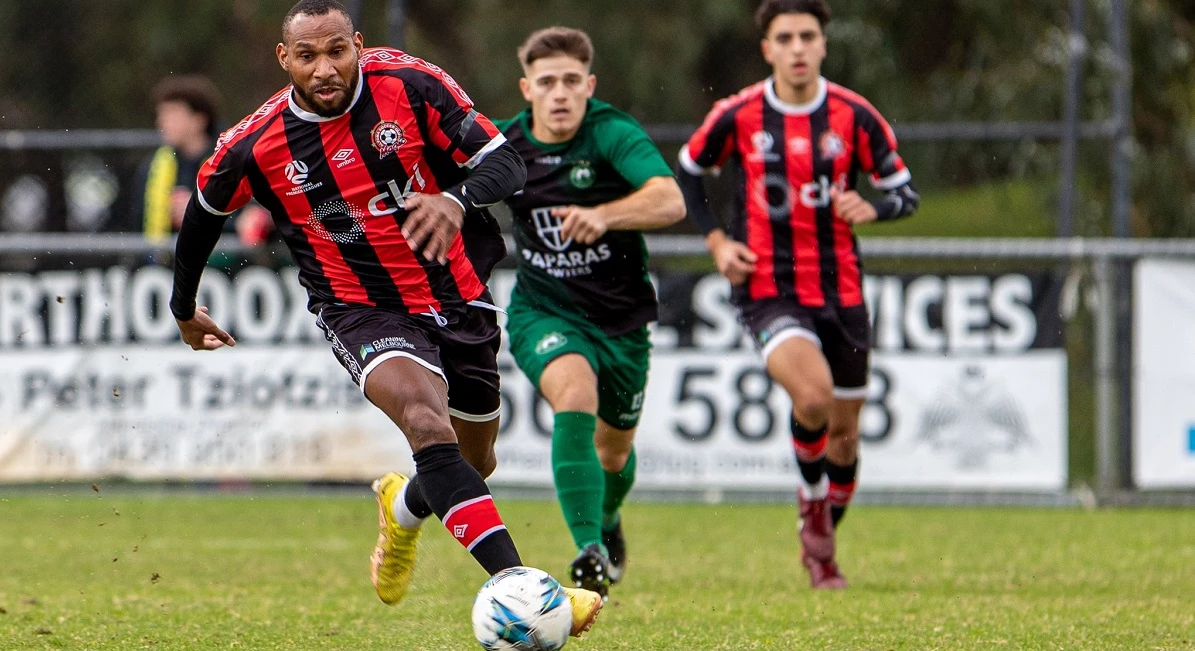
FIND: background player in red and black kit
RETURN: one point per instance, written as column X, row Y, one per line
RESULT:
column 377, row 171
column 799, row 142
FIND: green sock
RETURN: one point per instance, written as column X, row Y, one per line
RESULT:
column 618, row 484
column 579, row 476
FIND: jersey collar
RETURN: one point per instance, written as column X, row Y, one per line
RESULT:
column 794, row 109
column 308, row 116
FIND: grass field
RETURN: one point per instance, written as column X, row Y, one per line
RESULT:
column 129, row 571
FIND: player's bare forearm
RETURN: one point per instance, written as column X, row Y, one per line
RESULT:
column 657, row 204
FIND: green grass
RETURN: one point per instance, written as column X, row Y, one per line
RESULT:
column 999, row 209
column 131, row 571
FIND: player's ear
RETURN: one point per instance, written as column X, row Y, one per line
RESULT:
column 281, row 52
column 525, row 88
column 359, row 43
column 592, row 83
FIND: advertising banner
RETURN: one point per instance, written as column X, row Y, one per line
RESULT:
column 967, row 390
column 1164, row 374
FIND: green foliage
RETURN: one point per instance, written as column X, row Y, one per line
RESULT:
column 183, row 571
column 81, row 63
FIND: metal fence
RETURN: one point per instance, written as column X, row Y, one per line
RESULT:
column 1101, row 261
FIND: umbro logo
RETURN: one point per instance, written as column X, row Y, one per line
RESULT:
column 344, row 157
column 459, row 530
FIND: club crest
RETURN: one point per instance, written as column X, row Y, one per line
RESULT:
column 387, row 137
column 582, row 175
column 831, row 145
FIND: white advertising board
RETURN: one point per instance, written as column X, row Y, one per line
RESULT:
column 968, row 389
column 930, row 423
column 1164, row 374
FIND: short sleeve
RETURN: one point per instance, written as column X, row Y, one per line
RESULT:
column 876, row 150
column 631, row 152
column 713, row 142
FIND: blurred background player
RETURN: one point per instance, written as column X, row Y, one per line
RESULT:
column 364, row 162
column 187, row 115
column 582, row 297
column 791, row 256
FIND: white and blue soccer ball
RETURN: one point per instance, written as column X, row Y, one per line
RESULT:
column 523, row 609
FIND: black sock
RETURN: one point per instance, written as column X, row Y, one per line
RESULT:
column 416, row 502
column 842, row 487
column 458, row 496
column 810, row 447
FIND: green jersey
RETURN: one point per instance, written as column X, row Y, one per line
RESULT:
column 604, row 283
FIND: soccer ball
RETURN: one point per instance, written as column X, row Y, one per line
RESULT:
column 523, row 609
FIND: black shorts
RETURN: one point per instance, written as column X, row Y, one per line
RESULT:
column 843, row 334
column 460, row 346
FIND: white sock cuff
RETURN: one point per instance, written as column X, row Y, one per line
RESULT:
column 817, row 491
column 402, row 514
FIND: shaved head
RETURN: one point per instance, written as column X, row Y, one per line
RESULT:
column 314, row 8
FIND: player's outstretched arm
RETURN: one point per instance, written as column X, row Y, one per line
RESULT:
column 197, row 239
column 657, row 204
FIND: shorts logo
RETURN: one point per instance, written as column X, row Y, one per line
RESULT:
column 550, row 342
column 459, row 530
column 776, row 327
column 549, row 229
column 386, row 343
column 582, row 175
column 387, row 137
column 636, row 407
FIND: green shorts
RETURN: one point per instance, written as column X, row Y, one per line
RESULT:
column 620, row 363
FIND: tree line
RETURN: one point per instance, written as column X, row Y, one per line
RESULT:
column 83, row 63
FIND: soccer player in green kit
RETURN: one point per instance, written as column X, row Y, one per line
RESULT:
column 582, row 299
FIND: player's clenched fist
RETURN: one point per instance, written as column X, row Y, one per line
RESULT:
column 583, row 225
column 433, row 220
column 851, row 207
column 733, row 258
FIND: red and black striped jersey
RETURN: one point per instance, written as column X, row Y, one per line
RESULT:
column 335, row 186
column 788, row 159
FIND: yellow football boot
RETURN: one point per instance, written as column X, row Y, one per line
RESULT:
column 586, row 604
column 393, row 560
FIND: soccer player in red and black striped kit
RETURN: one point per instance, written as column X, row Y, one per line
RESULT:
column 377, row 170
column 799, row 142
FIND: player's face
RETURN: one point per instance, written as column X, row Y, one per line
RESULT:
column 320, row 54
column 795, row 46
column 558, row 88
column 178, row 124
